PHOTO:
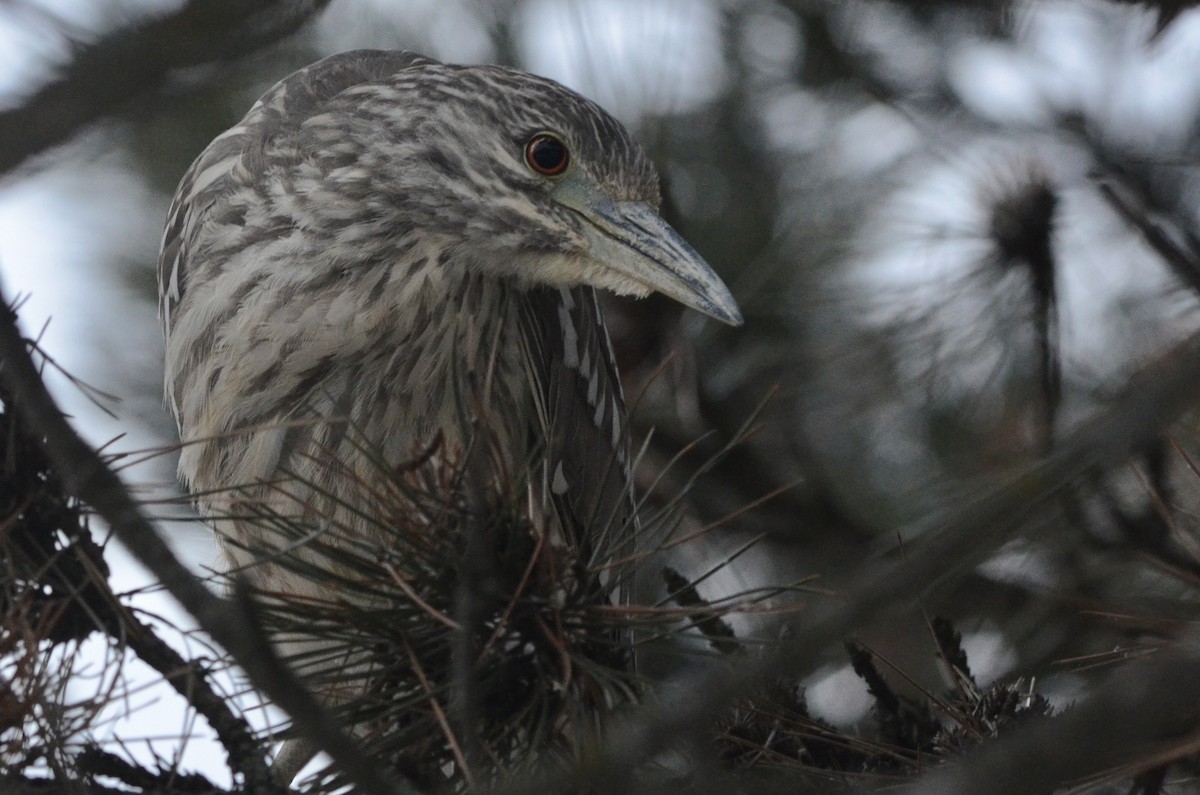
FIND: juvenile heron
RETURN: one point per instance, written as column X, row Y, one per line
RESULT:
column 380, row 229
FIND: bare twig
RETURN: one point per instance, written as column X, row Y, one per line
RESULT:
column 245, row 752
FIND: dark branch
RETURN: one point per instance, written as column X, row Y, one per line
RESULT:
column 187, row 678
column 102, row 76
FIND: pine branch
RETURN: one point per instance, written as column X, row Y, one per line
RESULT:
column 1144, row 702
column 131, row 61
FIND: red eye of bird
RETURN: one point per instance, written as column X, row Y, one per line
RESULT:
column 546, row 154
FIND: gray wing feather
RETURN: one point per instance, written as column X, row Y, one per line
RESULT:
column 582, row 415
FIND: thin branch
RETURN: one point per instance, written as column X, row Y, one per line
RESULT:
column 245, row 752
column 1139, row 211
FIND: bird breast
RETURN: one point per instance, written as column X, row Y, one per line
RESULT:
column 349, row 385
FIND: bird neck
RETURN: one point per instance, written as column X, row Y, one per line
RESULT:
column 452, row 362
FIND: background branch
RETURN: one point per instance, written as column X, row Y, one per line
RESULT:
column 131, row 61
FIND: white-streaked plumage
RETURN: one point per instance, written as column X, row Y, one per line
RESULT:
column 368, row 262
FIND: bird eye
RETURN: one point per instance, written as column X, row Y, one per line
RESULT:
column 547, row 154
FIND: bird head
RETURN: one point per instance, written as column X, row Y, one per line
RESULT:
column 512, row 174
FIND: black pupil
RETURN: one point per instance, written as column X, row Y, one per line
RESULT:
column 548, row 154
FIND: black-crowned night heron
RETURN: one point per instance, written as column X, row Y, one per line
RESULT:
column 379, row 230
